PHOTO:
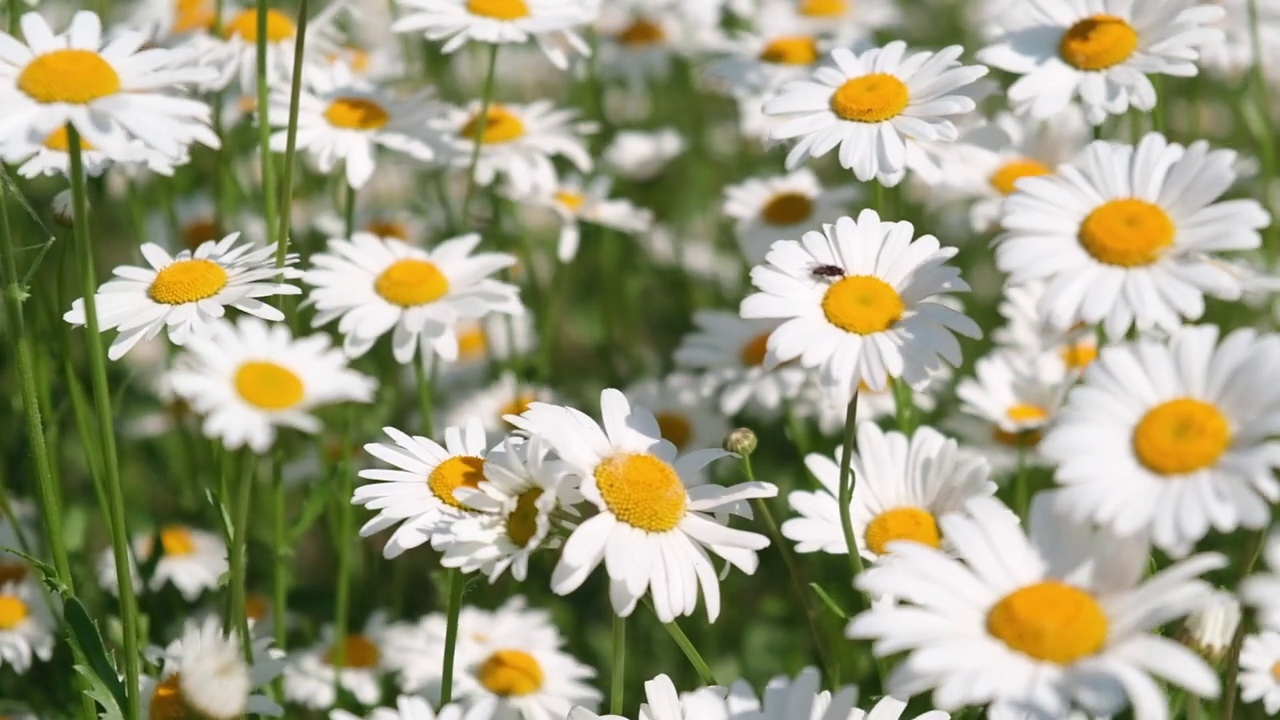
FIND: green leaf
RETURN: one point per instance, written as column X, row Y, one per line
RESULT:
column 311, row 511
column 85, row 633
column 101, row 694
column 829, row 601
column 47, row 572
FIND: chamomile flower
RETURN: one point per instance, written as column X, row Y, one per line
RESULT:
column 1259, row 657
column 860, row 301
column 494, row 338
column 868, row 103
column 52, row 156
column 788, row 698
column 1232, row 57
column 419, row 493
column 641, row 39
column 663, row 702
column 779, row 46
column 1261, row 590
column 1014, row 396
column 112, row 93
column 183, row 294
column 171, row 22
column 550, row 23
column 642, row 155
column 509, row 678
column 373, row 286
column 652, row 530
column 730, row 352
column 1129, row 234
column 765, row 210
column 191, row 559
column 249, row 378
column 236, row 55
column 891, row 708
column 344, row 119
column 901, row 486
column 1211, row 627
column 412, row 707
column 577, row 201
column 26, row 629
column 847, row 21
column 1172, row 439
column 1027, row 329
column 1058, row 619
column 506, row 396
column 684, row 413
column 1101, row 51
column 355, row 662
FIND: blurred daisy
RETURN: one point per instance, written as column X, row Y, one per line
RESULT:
column 1100, row 50
column 1027, row 330
column 52, row 156
column 550, row 23
column 355, row 663
column 341, row 118
column 786, row 698
column 172, row 22
column 194, row 221
column 847, row 21
column 653, row 529
column 779, row 46
column 528, row 681
column 901, row 486
column 730, row 352
column 1128, row 234
column 765, row 210
column 1211, row 627
column 685, row 416
column 577, row 201
column 191, row 559
column 26, row 628
column 891, row 708
column 410, row 707
column 1259, row 658
column 18, row 529
column 1172, row 439
column 1261, row 590
column 495, row 338
column 248, row 378
column 1060, row 618
column 112, row 94
column 641, row 39
column 506, row 396
column 236, row 56
column 1013, row 397
column 662, row 702
column 182, row 294
column 860, row 301
column 1235, row 55
column 867, row 104
column 642, row 155
column 373, row 286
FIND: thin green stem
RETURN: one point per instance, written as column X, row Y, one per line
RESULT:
column 456, row 585
column 691, row 652
column 482, row 120
column 904, row 404
column 1252, row 549
column 426, row 394
column 106, row 429
column 238, row 554
column 269, row 189
column 15, row 12
column 846, row 485
column 618, row 668
column 291, row 134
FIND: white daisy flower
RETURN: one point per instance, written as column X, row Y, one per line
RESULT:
column 26, row 628
column 248, row 378
column 343, row 118
column 641, row 155
column 491, row 340
column 662, row 702
column 191, row 559
column 410, row 707
column 1014, row 396
column 52, row 156
column 112, row 94
column 685, row 415
column 506, row 396
column 513, row 679
column 1172, row 439
column 1100, row 50
column 576, row 201
column 1060, row 619
column 730, row 352
column 1261, row 590
column 550, row 23
column 891, row 708
column 183, row 294
column 1235, row 55
column 652, row 530
column 171, row 22
column 1259, row 657
column 901, row 486
column 1028, row 330
column 861, row 302
column 236, row 55
column 311, row 677
column 641, row 39
column 765, row 210
column 1128, row 234
column 780, row 45
column 868, row 103
column 1211, row 627
column 373, row 286
column 800, row 698
column 847, row 21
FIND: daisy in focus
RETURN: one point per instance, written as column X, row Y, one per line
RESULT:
column 191, row 559
column 1129, row 234
column 249, row 378
column 1172, row 439
column 1056, row 619
column 861, row 303
column 355, row 662
column 26, row 628
column 765, row 210
column 550, row 23
column 576, row 202
column 868, row 104
column 652, row 529
column 730, row 353
column 183, row 294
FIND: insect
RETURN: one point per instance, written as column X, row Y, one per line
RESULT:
column 827, row 272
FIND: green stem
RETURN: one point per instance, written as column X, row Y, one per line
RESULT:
column 15, row 12
column 846, row 486
column 237, row 557
column 106, row 429
column 904, row 404
column 482, row 120
column 1230, row 686
column 691, row 652
column 291, row 143
column 618, row 668
column 456, row 584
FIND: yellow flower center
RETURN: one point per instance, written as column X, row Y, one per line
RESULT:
column 498, row 9
column 787, row 208
column 824, row 8
column 675, row 427
column 752, row 354
column 500, row 126
column 60, row 140
column 354, row 113
column 268, row 386
column 642, row 32
column 1049, row 621
column 1275, row 670
column 245, row 24
column 77, row 77
column 903, row 523
column 256, row 607
column 1026, row 412
column 862, row 304
column 642, row 491
column 871, row 98
column 199, row 231
column 192, row 15
column 409, row 282
column 187, row 281
column 176, row 541
column 456, row 472
column 1181, row 436
column 1003, row 179
column 167, row 702
column 792, row 50
column 358, row 652
column 1098, row 42
column 510, row 672
column 522, row 524
column 1127, row 232
column 570, row 200
column 1078, row 355
column 518, row 404
column 12, row 612
column 472, row 344
column 388, row 229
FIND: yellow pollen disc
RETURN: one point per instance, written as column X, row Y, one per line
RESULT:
column 279, row 26
column 752, row 354
column 1181, row 436
column 176, row 541
column 642, row 491
column 409, row 282
column 60, row 141
column 1127, row 233
column 501, row 126
column 12, row 572
column 199, row 231
column 787, row 208
column 1007, row 175
column 358, row 650
column 569, row 200
column 510, row 672
column 1077, row 356
column 187, row 281
column 388, row 229
column 824, row 8
column 1049, row 621
column 12, row 612
column 1024, row 412
column 472, row 344
column 268, row 386
column 1024, row 439
column 862, row 304
column 498, row 9
column 166, row 700
column 1098, row 42
column 1275, row 671
column 256, row 607
column 904, row 523
column 871, row 98
column 353, row 113
column 68, row 76
column 793, row 50
column 518, row 404
column 676, row 428
column 192, row 15
column 456, row 472
column 642, row 32
column 522, row 524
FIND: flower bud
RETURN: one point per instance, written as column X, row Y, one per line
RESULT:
column 1210, row 627
column 741, row 441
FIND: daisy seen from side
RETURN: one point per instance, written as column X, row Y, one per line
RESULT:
column 765, row 210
